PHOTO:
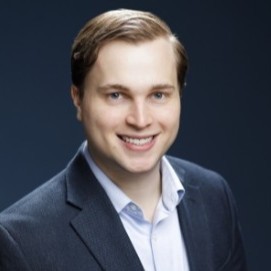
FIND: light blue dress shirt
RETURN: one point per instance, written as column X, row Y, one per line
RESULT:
column 159, row 244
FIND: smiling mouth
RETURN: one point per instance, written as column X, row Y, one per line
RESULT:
column 137, row 141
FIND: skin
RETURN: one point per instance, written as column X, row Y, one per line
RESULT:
column 130, row 112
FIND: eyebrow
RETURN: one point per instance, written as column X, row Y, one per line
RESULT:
column 162, row 86
column 124, row 88
column 113, row 86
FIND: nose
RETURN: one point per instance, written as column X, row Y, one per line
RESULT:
column 139, row 115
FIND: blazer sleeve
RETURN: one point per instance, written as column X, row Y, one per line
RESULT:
column 11, row 256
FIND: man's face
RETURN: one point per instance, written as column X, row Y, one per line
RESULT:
column 131, row 106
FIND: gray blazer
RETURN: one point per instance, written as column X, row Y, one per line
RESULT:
column 69, row 223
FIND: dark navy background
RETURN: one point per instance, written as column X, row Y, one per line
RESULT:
column 226, row 105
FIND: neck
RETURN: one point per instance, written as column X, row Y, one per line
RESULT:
column 144, row 189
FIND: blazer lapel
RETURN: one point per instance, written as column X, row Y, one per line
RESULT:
column 98, row 224
column 194, row 223
column 195, row 230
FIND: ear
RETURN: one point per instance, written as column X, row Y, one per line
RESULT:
column 77, row 101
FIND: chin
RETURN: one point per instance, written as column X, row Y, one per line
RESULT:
column 141, row 168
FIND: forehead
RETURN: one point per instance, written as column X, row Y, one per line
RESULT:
column 122, row 54
column 160, row 47
column 135, row 64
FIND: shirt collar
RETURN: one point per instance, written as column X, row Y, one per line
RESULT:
column 172, row 188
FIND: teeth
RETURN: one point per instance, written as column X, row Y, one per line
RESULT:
column 137, row 141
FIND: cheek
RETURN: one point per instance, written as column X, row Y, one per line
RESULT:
column 103, row 120
column 172, row 113
column 170, row 119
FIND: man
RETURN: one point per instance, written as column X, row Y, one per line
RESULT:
column 121, row 204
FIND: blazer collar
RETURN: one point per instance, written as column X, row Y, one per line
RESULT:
column 97, row 223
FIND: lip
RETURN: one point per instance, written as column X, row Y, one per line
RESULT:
column 138, row 143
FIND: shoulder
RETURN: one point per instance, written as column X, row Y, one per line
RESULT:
column 211, row 185
column 44, row 201
column 213, row 189
column 194, row 174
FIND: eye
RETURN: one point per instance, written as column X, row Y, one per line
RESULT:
column 114, row 95
column 159, row 95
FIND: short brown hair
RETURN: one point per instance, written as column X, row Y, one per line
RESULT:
column 128, row 25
